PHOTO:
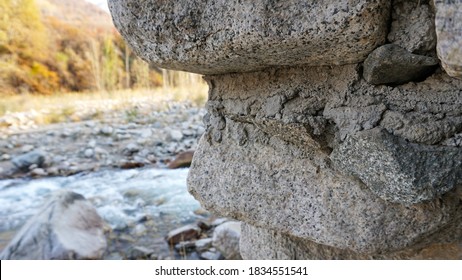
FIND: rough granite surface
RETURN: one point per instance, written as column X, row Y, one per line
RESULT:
column 262, row 244
column 272, row 156
column 413, row 26
column 212, row 37
column 448, row 22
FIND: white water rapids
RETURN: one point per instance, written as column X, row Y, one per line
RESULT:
column 122, row 198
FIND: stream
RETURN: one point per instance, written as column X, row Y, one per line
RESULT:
column 124, row 199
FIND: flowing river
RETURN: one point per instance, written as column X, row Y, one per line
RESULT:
column 122, row 198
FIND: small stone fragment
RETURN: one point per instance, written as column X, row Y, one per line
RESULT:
column 184, row 233
column 391, row 64
column 183, row 159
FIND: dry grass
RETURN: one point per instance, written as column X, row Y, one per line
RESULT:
column 65, row 107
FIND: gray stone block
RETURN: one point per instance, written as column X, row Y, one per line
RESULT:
column 212, row 37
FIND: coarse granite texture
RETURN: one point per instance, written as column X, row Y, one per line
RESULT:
column 413, row 26
column 262, row 244
column 212, row 37
column 274, row 151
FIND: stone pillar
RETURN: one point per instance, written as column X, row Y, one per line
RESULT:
column 317, row 161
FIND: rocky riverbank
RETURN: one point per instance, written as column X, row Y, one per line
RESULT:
column 142, row 134
column 107, row 138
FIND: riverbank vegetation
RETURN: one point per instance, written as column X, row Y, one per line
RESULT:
column 54, row 47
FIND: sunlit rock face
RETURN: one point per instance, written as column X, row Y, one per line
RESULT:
column 220, row 36
column 317, row 161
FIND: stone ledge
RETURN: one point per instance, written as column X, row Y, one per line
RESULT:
column 213, row 37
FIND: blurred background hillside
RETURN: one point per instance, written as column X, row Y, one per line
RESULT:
column 57, row 46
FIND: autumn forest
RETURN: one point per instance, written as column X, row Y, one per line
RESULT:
column 54, row 46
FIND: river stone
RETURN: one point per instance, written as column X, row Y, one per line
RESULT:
column 226, row 239
column 184, row 233
column 211, row 255
column 213, row 37
column 24, row 161
column 391, row 64
column 175, row 135
column 66, row 227
column 448, row 22
column 413, row 26
column 183, row 159
column 203, row 244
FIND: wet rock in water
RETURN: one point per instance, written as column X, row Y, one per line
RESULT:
column 183, row 159
column 226, row 239
column 23, row 162
column 38, row 172
column 27, row 148
column 66, row 227
column 5, row 157
column 139, row 252
column 185, row 246
column 391, row 64
column 203, row 244
column 184, row 233
column 130, row 164
column 211, row 255
column 219, row 221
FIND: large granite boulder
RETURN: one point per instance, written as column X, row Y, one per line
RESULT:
column 219, row 36
column 301, row 146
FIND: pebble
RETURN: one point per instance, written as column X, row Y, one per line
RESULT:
column 211, row 256
column 203, row 244
column 185, row 246
column 91, row 143
column 146, row 133
column 38, row 172
column 5, row 157
column 107, row 130
column 140, row 252
column 89, row 153
column 176, row 135
column 130, row 149
column 139, row 230
column 27, row 148
column 184, row 233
